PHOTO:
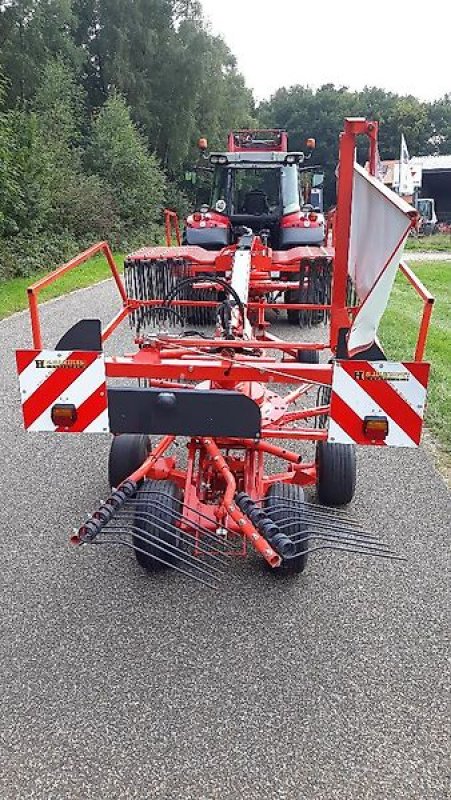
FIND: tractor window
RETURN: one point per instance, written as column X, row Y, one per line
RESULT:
column 221, row 189
column 256, row 191
column 290, row 189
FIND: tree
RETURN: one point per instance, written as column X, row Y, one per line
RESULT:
column 33, row 32
column 10, row 197
column 118, row 154
column 305, row 112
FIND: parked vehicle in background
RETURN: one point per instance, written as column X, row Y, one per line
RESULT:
column 428, row 217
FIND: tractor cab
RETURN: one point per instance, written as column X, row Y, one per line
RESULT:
column 259, row 184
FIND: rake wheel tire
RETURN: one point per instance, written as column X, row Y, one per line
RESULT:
column 336, row 472
column 308, row 356
column 283, row 500
column 127, row 453
column 161, row 499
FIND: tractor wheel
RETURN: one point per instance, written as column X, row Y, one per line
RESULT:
column 292, row 316
column 336, row 471
column 158, row 504
column 127, row 453
column 308, row 356
column 283, row 503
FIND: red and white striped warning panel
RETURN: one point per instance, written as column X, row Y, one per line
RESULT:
column 63, row 391
column 378, row 403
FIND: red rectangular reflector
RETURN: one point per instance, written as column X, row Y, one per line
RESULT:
column 63, row 415
column 375, row 428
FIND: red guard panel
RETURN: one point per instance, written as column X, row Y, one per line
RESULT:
column 69, row 378
column 394, row 390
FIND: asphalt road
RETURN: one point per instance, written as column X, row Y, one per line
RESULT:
column 115, row 684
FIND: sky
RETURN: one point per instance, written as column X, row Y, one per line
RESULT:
column 403, row 46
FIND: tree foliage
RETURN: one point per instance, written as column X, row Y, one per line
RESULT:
column 118, row 155
column 101, row 105
column 100, row 108
column 305, row 112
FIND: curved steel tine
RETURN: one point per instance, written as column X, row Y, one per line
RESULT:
column 357, row 532
column 199, row 513
column 378, row 554
column 328, row 511
column 172, row 550
column 177, row 514
column 339, row 536
column 208, row 548
column 331, row 537
column 203, row 530
column 160, row 560
column 171, row 529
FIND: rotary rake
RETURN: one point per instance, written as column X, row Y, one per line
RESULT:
column 207, row 369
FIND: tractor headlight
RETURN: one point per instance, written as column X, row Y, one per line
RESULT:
column 294, row 158
column 218, row 158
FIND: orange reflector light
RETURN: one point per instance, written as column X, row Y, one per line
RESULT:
column 63, row 415
column 375, row 428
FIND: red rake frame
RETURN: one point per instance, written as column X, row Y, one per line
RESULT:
column 249, row 367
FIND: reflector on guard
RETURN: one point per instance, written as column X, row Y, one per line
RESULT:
column 64, row 414
column 375, row 428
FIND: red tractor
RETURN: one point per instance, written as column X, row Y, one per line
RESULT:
column 257, row 184
column 206, row 368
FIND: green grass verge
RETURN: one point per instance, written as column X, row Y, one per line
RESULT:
column 13, row 293
column 439, row 242
column 398, row 334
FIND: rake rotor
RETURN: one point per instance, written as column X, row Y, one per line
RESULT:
column 194, row 550
column 157, row 280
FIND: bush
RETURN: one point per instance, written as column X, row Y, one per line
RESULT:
column 55, row 200
column 23, row 255
column 85, row 206
column 118, row 154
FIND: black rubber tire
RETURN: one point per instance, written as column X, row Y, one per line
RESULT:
column 164, row 500
column 336, row 472
column 292, row 297
column 282, row 500
column 127, row 453
column 308, row 356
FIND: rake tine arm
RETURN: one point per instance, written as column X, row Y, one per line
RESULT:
column 314, row 508
column 200, row 528
column 166, row 527
column 124, row 543
column 210, row 550
column 198, row 513
column 332, row 537
column 105, row 513
column 358, row 533
column 171, row 550
column 378, row 554
column 115, row 526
